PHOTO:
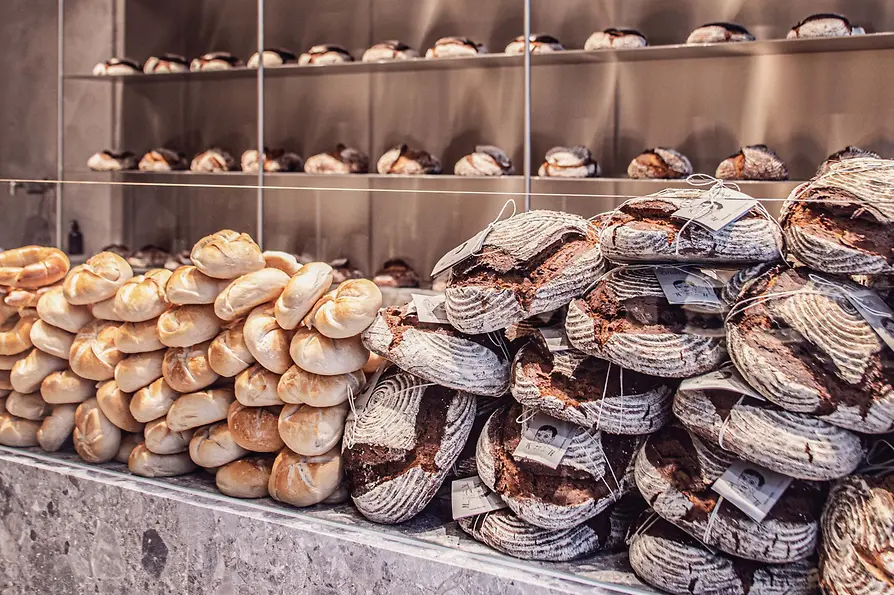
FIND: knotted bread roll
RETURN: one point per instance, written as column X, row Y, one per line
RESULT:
column 96, row 439
column 186, row 369
column 153, row 401
column 31, row 267
column 50, row 339
column 29, row 372
column 96, row 280
column 228, row 354
column 317, row 354
column 348, row 310
column 248, row 292
column 304, row 481
column 27, row 406
column 138, row 337
column 53, row 308
column 93, row 354
column 145, row 463
column 256, row 387
column 162, row 440
column 213, row 446
column 143, row 297
column 266, row 340
column 15, row 335
column 298, row 386
column 246, row 478
column 115, row 405
column 200, row 408
column 139, row 370
column 18, row 432
column 312, row 430
column 301, row 293
column 57, row 427
column 188, row 285
column 188, row 325
column 227, row 254
column 65, row 387
column 255, row 428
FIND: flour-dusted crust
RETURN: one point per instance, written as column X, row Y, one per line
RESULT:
column 754, row 162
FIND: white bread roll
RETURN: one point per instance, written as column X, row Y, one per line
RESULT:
column 96, row 280
column 51, row 339
column 314, row 353
column 183, row 326
column 255, row 428
column 349, row 310
column 138, row 337
column 227, row 254
column 200, row 408
column 29, row 372
column 228, row 354
column 245, row 478
column 266, row 340
column 186, row 369
column 18, row 432
column 283, row 261
column 213, row 446
column 105, row 310
column 188, row 285
column 312, row 430
column 115, row 405
column 64, row 387
column 96, row 439
column 143, row 298
column 128, row 443
column 15, row 335
column 153, row 401
column 145, row 463
column 57, row 427
column 249, row 291
column 139, row 370
column 301, row 293
column 8, row 361
column 297, row 386
column 161, row 440
column 54, row 309
column 256, row 387
column 27, row 406
column 93, row 354
column 304, row 481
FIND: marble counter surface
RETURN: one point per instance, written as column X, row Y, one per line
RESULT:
column 68, row 527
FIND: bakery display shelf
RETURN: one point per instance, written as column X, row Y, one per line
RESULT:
column 432, row 535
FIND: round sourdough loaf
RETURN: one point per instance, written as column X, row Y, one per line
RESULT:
column 139, row 370
column 311, row 430
column 27, row 406
column 227, row 254
column 297, row 386
column 146, row 463
column 183, row 326
column 54, row 309
column 96, row 439
column 96, row 280
column 300, row 294
column 57, row 427
column 439, row 353
column 304, row 481
column 255, row 428
column 267, row 342
column 161, row 440
column 28, row 373
column 249, row 291
column 214, row 445
column 188, row 285
column 317, row 354
column 348, row 310
column 18, row 432
column 138, row 337
column 531, row 263
column 659, row 163
column 401, row 442
column 754, row 162
column 66, row 387
column 257, row 387
column 143, row 297
column 246, row 478
column 51, row 340
column 186, row 369
column 15, row 335
column 627, row 320
column 93, row 354
column 228, row 354
column 115, row 405
column 674, row 473
column 153, row 401
column 200, row 408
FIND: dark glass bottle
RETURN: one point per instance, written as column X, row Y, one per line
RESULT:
column 75, row 240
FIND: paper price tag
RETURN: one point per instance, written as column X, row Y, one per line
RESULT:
column 726, row 207
column 470, row 496
column 751, row 488
column 681, row 287
column 725, row 379
column 431, row 308
column 461, row 252
column 556, row 338
column 545, row 441
column 876, row 312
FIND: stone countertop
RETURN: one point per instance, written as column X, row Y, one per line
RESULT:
column 98, row 529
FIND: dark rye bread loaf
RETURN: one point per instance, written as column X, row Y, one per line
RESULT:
column 840, row 222
column 595, row 472
column 659, row 163
column 627, row 320
column 438, row 352
column 813, row 352
column 754, row 162
column 795, row 444
column 671, row 560
column 644, row 230
column 674, row 473
column 570, row 385
column 531, row 263
column 401, row 443
column 858, row 537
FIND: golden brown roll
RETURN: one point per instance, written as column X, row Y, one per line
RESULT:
column 200, row 408
column 183, row 326
column 53, row 308
column 246, row 478
column 153, row 401
column 312, row 430
column 93, row 353
column 249, row 291
column 29, row 372
column 31, row 267
column 146, row 463
column 188, row 285
column 227, row 254
column 255, row 428
column 266, row 340
column 138, row 337
column 51, row 339
column 60, row 388
column 256, row 387
column 300, row 294
column 298, row 386
column 15, row 335
column 348, row 310
column 96, row 439
column 186, row 369
column 139, row 370
column 18, row 432
column 128, row 443
column 213, row 446
column 228, row 354
column 96, row 280
column 283, row 261
column 161, row 440
column 27, row 406
column 57, row 427
column 304, row 481
column 317, row 354
column 105, row 310
column 143, row 297
column 115, row 405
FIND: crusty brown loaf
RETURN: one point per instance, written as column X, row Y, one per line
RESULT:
column 257, row 387
column 186, row 369
column 311, row 430
column 213, row 445
column 659, row 164
column 246, row 478
column 305, row 481
column 754, row 162
column 255, row 428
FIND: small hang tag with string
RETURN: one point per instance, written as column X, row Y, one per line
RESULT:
column 682, row 287
column 717, row 209
column 431, row 308
column 556, row 338
column 470, row 497
column 723, row 379
column 469, row 247
column 876, row 312
column 751, row 488
column 545, row 440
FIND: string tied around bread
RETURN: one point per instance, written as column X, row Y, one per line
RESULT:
column 493, row 224
column 711, row 518
column 605, row 392
column 644, row 526
column 879, row 460
column 607, row 465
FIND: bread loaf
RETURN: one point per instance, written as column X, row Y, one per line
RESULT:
column 29, row 372
column 15, row 335
column 287, row 263
column 199, row 408
column 300, row 294
column 227, row 254
column 455, row 47
column 139, row 370
column 53, row 308
column 115, row 405
column 105, row 310
column 249, row 291
column 18, row 432
column 266, row 341
column 214, row 445
column 138, row 337
column 317, row 354
column 616, row 38
column 51, row 340
column 539, row 44
column 143, row 298
column 754, row 162
column 27, row 406
column 389, row 50
column 153, row 401
column 305, row 481
column 255, row 428
column 145, row 463
column 487, row 160
column 439, row 353
column 228, row 355
column 256, row 387
column 297, row 386
column 96, row 439
column 64, row 387
column 57, row 427
column 246, row 478
column 31, row 267
column 93, row 354
column 186, row 369
column 96, row 280
column 846, row 153
column 327, row 53
column 128, row 443
column 311, row 430
column 343, row 160
column 348, row 310
column 188, row 285
column 161, row 440
column 402, row 160
column 720, row 33
column 824, row 25
column 569, row 162
column 184, row 326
